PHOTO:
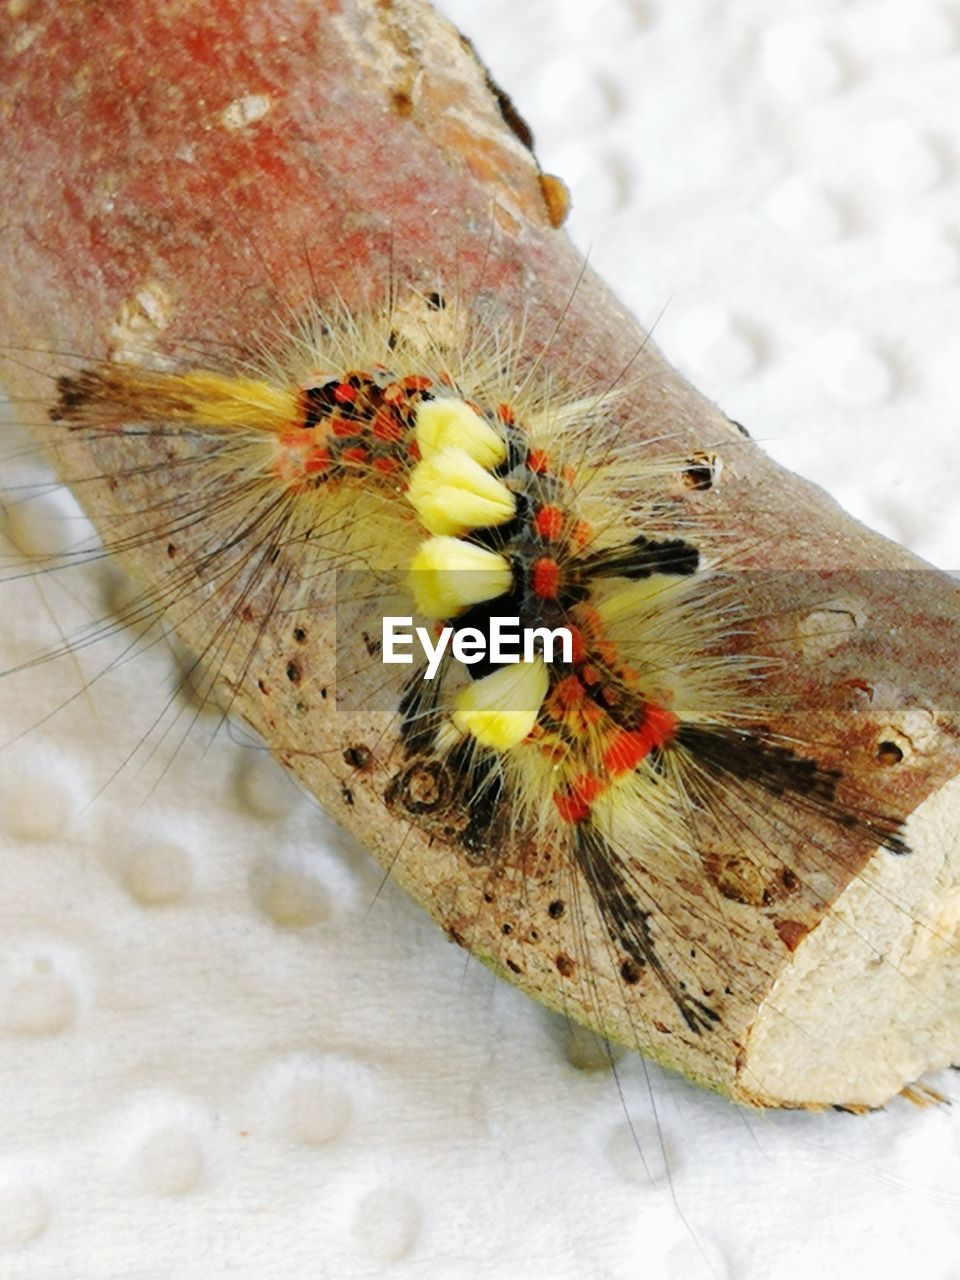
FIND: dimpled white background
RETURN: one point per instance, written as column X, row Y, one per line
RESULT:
column 224, row 1048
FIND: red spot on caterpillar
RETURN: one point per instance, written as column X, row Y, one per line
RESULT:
column 345, row 393
column 581, row 533
column 343, row 427
column 538, row 461
column 317, row 460
column 387, row 466
column 628, row 747
column 588, row 786
column 548, row 522
column 625, row 752
column 505, row 414
column 570, row 808
column 356, row 454
column 295, row 439
column 545, row 579
column 574, row 805
column 659, row 724
column 568, row 691
column 417, row 382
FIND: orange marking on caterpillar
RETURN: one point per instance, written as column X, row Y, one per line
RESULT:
column 318, row 460
column 629, row 746
column 570, row 807
column 545, row 579
column 569, row 691
column 575, row 804
column 549, row 522
column 625, row 751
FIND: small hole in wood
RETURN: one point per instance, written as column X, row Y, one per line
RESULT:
column 701, row 471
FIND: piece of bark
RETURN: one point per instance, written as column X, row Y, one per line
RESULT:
column 177, row 172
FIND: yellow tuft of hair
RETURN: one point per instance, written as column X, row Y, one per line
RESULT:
column 113, row 394
column 451, row 424
column 215, row 400
column 447, row 576
column 452, row 494
column 501, row 709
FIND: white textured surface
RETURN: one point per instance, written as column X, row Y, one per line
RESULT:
column 222, row 1051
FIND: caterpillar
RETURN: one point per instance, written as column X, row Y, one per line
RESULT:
column 364, row 459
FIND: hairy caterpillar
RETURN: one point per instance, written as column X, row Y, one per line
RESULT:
column 365, row 458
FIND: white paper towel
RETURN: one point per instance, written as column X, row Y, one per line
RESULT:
column 225, row 1047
